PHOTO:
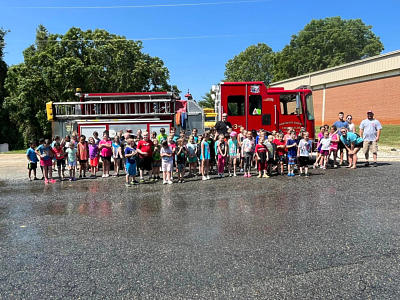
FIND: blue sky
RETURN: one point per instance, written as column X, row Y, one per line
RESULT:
column 194, row 41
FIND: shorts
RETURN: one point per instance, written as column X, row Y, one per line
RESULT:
column 61, row 163
column 291, row 160
column 341, row 145
column 325, row 152
column 156, row 163
column 83, row 161
column 370, row 146
column 233, row 156
column 192, row 160
column 46, row 163
column 304, row 161
column 130, row 168
column 281, row 158
column 94, row 162
column 360, row 145
column 144, row 163
column 181, row 167
column 166, row 166
column 106, row 158
column 72, row 163
column 32, row 166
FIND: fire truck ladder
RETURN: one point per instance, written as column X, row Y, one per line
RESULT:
column 115, row 108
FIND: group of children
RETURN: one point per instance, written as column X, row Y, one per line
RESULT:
column 229, row 153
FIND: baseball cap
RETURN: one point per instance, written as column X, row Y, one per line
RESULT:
column 370, row 112
column 233, row 133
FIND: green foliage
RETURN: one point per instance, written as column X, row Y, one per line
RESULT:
column 208, row 101
column 326, row 43
column 8, row 132
column 91, row 60
column 253, row 64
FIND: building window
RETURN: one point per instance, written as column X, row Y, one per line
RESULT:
column 236, row 105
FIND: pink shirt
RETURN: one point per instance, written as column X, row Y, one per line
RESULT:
column 106, row 152
column 334, row 145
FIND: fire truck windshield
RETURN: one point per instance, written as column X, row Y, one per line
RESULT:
column 289, row 105
column 310, row 107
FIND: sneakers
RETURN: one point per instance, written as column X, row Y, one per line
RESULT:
column 52, row 180
column 170, row 182
column 164, row 182
column 259, row 176
column 265, row 176
column 208, row 177
column 46, row 181
column 375, row 164
column 104, row 176
column 307, row 175
column 249, row 175
column 220, row 175
column 245, row 175
column 204, row 178
column 234, row 175
column 134, row 182
column 366, row 164
column 141, row 180
column 128, row 185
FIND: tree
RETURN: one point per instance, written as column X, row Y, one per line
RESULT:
column 8, row 132
column 92, row 60
column 208, row 101
column 326, row 43
column 253, row 64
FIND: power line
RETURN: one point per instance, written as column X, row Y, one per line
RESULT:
column 142, row 6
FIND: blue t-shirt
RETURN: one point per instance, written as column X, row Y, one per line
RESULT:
column 44, row 150
column 131, row 159
column 292, row 151
column 340, row 124
column 32, row 155
column 351, row 138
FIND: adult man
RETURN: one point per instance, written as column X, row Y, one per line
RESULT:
column 353, row 144
column 341, row 123
column 144, row 147
column 370, row 131
column 223, row 125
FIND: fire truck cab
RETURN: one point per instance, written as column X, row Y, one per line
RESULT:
column 254, row 106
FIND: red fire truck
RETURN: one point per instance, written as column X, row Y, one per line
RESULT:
column 148, row 111
column 248, row 104
column 254, row 106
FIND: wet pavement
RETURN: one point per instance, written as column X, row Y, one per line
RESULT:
column 335, row 235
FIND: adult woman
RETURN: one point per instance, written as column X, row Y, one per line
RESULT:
column 353, row 144
column 352, row 126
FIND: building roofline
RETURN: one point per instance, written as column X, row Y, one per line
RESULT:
column 350, row 64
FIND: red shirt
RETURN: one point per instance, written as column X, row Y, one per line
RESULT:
column 280, row 151
column 58, row 153
column 145, row 146
column 261, row 148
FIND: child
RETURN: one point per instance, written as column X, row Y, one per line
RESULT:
column 117, row 155
column 83, row 155
column 304, row 152
column 71, row 158
column 105, row 146
column 280, row 151
column 271, row 147
column 319, row 156
column 32, row 161
column 205, row 156
column 130, row 163
column 172, row 145
column 192, row 154
column 181, row 156
column 60, row 157
column 262, row 157
column 241, row 136
column 167, row 162
column 325, row 146
column 233, row 153
column 291, row 146
column 248, row 151
column 93, row 156
column 333, row 135
column 46, row 154
column 41, row 142
column 156, row 159
column 222, row 150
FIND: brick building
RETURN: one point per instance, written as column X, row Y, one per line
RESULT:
column 354, row 88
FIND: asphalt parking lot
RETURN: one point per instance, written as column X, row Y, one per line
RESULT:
column 333, row 235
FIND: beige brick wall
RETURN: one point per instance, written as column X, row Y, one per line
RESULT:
column 381, row 95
